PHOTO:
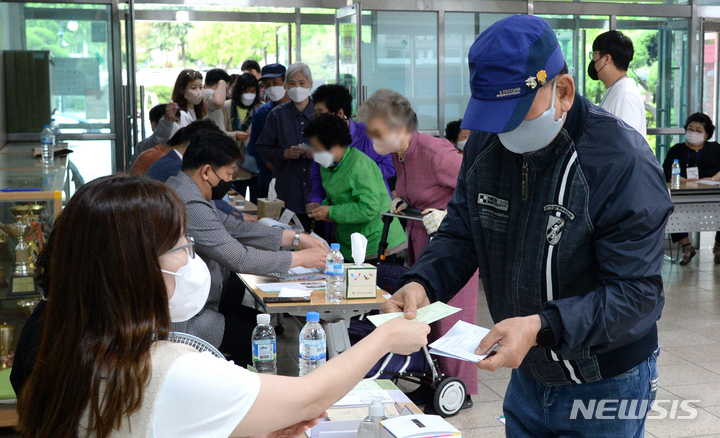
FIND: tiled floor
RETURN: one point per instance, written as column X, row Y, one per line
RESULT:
column 689, row 362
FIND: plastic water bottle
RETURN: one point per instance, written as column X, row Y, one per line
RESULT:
column 47, row 139
column 313, row 345
column 370, row 426
column 56, row 132
column 334, row 274
column 676, row 174
column 264, row 346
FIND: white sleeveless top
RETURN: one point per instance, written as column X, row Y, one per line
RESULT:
column 190, row 395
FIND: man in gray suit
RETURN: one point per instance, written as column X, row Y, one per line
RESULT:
column 228, row 246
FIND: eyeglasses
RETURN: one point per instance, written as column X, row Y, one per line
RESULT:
column 591, row 55
column 189, row 247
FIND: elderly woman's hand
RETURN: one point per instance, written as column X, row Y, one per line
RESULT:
column 398, row 205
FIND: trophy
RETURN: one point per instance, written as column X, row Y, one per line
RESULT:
column 22, row 280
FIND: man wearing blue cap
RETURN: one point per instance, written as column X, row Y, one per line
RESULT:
column 273, row 81
column 563, row 209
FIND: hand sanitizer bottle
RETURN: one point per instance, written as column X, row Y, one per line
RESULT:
column 370, row 426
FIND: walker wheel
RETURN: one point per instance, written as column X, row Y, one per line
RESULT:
column 449, row 397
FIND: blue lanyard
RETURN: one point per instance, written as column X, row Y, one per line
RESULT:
column 611, row 87
column 697, row 158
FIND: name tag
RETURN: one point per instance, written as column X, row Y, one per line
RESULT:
column 692, row 173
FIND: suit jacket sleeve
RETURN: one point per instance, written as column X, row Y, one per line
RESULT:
column 218, row 236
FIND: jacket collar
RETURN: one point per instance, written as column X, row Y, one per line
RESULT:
column 186, row 188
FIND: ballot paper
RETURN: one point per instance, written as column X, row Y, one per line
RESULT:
column 300, row 273
column 363, row 394
column 434, row 312
column 293, row 293
column 460, row 342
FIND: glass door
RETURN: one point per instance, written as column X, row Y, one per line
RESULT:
column 348, row 22
column 710, row 80
column 283, row 41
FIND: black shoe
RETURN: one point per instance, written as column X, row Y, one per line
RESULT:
column 688, row 254
column 716, row 250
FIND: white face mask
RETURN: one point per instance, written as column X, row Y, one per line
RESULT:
column 298, row 94
column 533, row 135
column 193, row 97
column 192, row 287
column 694, row 138
column 247, row 99
column 390, row 145
column 325, row 159
column 461, row 144
column 276, row 93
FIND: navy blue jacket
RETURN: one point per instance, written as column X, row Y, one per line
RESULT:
column 170, row 165
column 573, row 231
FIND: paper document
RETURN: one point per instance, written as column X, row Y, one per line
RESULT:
column 300, row 273
column 292, row 293
column 364, row 393
column 275, row 287
column 460, row 342
column 434, row 312
column 708, row 182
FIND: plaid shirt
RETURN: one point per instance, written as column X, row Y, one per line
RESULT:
column 226, row 245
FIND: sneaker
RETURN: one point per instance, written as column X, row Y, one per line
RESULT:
column 716, row 250
column 688, row 253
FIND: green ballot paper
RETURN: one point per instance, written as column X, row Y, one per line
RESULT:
column 434, row 312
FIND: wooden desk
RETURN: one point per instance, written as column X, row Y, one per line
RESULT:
column 336, row 316
column 697, row 208
column 8, row 415
column 247, row 208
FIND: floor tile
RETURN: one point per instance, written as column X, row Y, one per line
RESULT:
column 685, row 374
column 682, row 337
column 702, row 394
column 481, row 415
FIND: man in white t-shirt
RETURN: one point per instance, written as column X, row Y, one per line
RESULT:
column 609, row 61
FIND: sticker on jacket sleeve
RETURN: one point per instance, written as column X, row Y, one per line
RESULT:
column 493, row 201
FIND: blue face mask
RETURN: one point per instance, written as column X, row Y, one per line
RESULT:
column 533, row 135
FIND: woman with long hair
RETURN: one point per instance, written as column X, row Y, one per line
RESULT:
column 187, row 93
column 117, row 271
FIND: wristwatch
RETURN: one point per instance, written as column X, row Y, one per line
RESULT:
column 545, row 337
column 296, row 240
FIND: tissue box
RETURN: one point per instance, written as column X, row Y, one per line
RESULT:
column 268, row 208
column 360, row 281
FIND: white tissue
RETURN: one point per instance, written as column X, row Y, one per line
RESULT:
column 272, row 194
column 293, row 293
column 359, row 247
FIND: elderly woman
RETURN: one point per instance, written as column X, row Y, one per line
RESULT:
column 427, row 171
column 283, row 145
column 699, row 158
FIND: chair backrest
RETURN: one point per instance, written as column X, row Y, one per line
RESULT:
column 195, row 342
column 388, row 276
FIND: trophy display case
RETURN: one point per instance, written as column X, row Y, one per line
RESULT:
column 31, row 197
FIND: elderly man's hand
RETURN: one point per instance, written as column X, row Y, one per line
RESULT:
column 408, row 299
column 515, row 336
column 293, row 152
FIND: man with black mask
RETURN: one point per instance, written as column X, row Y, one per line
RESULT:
column 229, row 246
column 609, row 62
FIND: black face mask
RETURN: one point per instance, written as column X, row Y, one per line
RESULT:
column 220, row 189
column 593, row 72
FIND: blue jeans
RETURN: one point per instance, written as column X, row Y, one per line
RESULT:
column 533, row 410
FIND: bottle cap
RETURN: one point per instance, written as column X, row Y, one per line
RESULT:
column 376, row 408
column 313, row 317
column 263, row 318
column 335, row 246
column 46, row 126
column 52, row 120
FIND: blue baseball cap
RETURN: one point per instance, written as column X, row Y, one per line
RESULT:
column 509, row 62
column 272, row 71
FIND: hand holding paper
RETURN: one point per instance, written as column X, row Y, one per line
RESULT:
column 428, row 314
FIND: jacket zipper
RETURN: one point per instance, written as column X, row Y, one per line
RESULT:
column 525, row 173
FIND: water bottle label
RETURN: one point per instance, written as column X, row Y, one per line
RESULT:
column 264, row 350
column 334, row 269
column 312, row 350
column 45, row 140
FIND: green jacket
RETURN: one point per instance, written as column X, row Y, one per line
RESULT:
column 357, row 197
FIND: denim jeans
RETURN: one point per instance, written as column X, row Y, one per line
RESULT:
column 533, row 410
